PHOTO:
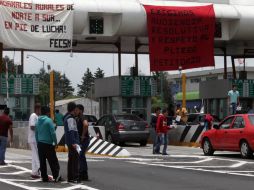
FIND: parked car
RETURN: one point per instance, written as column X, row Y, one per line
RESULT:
column 91, row 119
column 199, row 118
column 234, row 133
column 123, row 128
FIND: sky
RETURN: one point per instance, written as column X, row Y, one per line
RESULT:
column 76, row 64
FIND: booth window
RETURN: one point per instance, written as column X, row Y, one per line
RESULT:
column 96, row 25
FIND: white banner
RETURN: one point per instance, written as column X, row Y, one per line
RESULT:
column 36, row 24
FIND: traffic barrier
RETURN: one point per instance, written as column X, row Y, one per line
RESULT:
column 97, row 145
column 186, row 135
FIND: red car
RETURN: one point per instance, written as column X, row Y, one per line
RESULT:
column 235, row 133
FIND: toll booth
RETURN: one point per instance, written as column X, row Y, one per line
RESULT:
column 22, row 91
column 215, row 95
column 126, row 94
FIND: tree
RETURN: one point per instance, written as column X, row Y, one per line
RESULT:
column 62, row 86
column 12, row 68
column 99, row 73
column 86, row 83
column 163, row 89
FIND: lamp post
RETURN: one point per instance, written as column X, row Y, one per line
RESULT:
column 43, row 63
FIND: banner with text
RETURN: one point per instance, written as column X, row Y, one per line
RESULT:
column 36, row 25
column 180, row 37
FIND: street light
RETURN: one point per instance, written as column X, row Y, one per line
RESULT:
column 36, row 59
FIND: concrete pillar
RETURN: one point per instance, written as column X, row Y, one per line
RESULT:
column 119, row 58
column 225, row 76
column 233, row 67
column 22, row 62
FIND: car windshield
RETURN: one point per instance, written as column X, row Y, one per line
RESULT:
column 192, row 118
column 251, row 118
column 90, row 118
column 127, row 117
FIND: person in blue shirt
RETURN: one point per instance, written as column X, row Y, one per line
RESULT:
column 233, row 99
column 45, row 136
column 72, row 141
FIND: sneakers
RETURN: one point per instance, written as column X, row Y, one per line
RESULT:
column 74, row 181
column 49, row 179
column 35, row 176
column 59, row 178
column 3, row 163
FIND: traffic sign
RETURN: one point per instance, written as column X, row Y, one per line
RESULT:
column 245, row 87
column 20, row 84
column 138, row 86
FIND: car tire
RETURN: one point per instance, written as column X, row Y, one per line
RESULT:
column 245, row 150
column 143, row 143
column 207, row 147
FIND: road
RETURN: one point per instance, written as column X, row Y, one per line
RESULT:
column 185, row 168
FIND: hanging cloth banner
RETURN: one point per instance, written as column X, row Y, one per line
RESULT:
column 36, row 24
column 180, row 37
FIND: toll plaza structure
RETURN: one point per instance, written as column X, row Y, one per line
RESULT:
column 116, row 26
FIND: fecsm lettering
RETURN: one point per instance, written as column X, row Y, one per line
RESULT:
column 60, row 43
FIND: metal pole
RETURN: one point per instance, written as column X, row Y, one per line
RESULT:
column 233, row 67
column 7, row 83
column 22, row 62
column 91, row 101
column 1, row 58
column 184, row 90
column 52, row 98
column 225, row 64
column 162, row 94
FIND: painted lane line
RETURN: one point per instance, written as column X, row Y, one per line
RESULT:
column 241, row 163
column 85, row 187
column 194, row 169
column 14, row 173
column 17, row 184
column 24, row 180
column 195, row 162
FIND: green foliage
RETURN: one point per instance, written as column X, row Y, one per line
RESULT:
column 165, row 98
column 99, row 73
column 12, row 68
column 86, row 83
column 62, row 87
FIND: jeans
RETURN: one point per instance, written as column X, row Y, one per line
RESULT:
column 82, row 157
column 73, row 164
column 154, row 140
column 233, row 108
column 3, row 144
column 206, row 125
column 47, row 152
column 162, row 139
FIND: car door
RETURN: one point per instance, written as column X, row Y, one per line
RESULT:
column 236, row 133
column 221, row 135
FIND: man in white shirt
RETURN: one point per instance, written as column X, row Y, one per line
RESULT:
column 32, row 142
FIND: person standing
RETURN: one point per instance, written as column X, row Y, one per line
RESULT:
column 59, row 118
column 162, row 131
column 233, row 99
column 46, row 140
column 32, row 142
column 84, row 139
column 181, row 112
column 153, row 124
column 5, row 126
column 72, row 141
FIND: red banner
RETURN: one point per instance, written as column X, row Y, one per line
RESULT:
column 180, row 37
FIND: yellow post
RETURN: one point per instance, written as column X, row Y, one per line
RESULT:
column 52, row 99
column 184, row 90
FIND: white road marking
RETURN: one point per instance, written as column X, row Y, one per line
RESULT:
column 194, row 162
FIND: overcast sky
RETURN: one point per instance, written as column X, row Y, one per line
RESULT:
column 75, row 66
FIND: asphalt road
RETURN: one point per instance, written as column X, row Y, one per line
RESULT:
column 184, row 168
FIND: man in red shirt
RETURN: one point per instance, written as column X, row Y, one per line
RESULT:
column 5, row 126
column 162, row 132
